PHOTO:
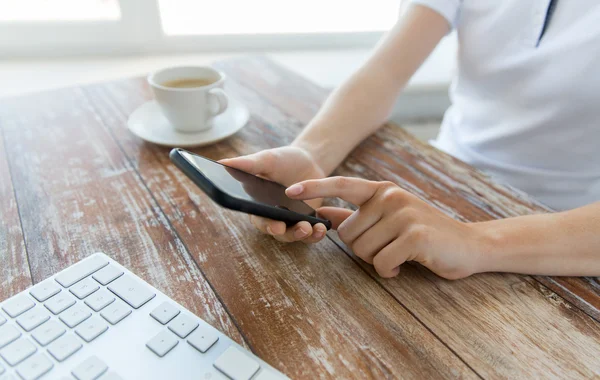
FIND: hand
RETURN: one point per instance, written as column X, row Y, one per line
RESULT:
column 286, row 165
column 392, row 226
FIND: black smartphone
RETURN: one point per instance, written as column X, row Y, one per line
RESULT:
column 241, row 191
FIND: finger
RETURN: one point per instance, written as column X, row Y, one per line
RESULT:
column 319, row 232
column 335, row 215
column 244, row 163
column 268, row 226
column 300, row 231
column 354, row 190
column 373, row 240
column 387, row 261
column 256, row 163
column 364, row 218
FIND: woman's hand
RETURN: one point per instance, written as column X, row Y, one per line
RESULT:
column 286, row 165
column 392, row 226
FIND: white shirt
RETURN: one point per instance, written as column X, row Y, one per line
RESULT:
column 527, row 113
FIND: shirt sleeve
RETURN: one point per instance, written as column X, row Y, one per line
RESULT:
column 449, row 9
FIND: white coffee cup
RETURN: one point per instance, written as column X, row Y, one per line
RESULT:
column 189, row 109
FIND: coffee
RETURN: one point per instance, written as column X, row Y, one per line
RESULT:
column 188, row 83
column 189, row 96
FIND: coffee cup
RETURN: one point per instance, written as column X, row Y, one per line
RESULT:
column 190, row 97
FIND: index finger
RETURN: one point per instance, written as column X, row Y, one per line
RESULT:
column 354, row 190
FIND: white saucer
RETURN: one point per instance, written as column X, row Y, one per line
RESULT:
column 148, row 123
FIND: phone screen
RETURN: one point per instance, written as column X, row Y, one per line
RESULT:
column 246, row 186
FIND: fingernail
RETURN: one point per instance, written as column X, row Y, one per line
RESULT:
column 318, row 234
column 295, row 189
column 300, row 233
column 270, row 231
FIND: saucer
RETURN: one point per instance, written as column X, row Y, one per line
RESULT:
column 148, row 123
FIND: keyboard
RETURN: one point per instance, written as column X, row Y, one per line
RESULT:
column 97, row 320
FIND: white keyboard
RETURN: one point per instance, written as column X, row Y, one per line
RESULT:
column 97, row 320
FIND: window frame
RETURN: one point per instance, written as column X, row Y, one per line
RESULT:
column 132, row 34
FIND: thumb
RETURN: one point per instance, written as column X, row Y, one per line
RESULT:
column 335, row 215
column 256, row 163
column 243, row 163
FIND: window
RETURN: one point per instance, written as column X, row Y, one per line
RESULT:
column 59, row 10
column 72, row 27
column 184, row 17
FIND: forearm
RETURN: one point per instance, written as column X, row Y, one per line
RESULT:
column 364, row 102
column 349, row 115
column 561, row 244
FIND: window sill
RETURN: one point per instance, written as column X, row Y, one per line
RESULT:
column 424, row 97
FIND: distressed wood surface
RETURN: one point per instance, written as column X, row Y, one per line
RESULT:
column 14, row 270
column 394, row 154
column 486, row 344
column 78, row 194
column 311, row 311
column 288, row 299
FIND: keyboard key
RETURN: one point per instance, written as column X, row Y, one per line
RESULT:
column 110, row 376
column 203, row 338
column 8, row 334
column 34, row 367
column 33, row 318
column 75, row 315
column 48, row 332
column 115, row 312
column 18, row 351
column 90, row 369
column 162, row 343
column 2, row 320
column 108, row 274
column 236, row 364
column 131, row 291
column 84, row 288
column 100, row 300
column 64, row 347
column 45, row 290
column 164, row 312
column 81, row 270
column 60, row 302
column 17, row 305
column 91, row 329
column 183, row 325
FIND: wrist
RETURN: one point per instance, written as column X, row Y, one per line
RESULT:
column 511, row 245
column 312, row 155
column 489, row 247
column 534, row 244
column 321, row 140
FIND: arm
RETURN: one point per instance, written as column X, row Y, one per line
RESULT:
column 362, row 104
column 392, row 226
column 561, row 244
column 352, row 112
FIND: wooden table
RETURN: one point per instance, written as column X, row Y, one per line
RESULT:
column 74, row 181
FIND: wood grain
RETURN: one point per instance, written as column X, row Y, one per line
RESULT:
column 78, row 194
column 497, row 341
column 309, row 311
column 427, row 172
column 14, row 271
column 582, row 292
column 83, row 183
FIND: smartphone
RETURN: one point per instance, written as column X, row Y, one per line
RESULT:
column 241, row 191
